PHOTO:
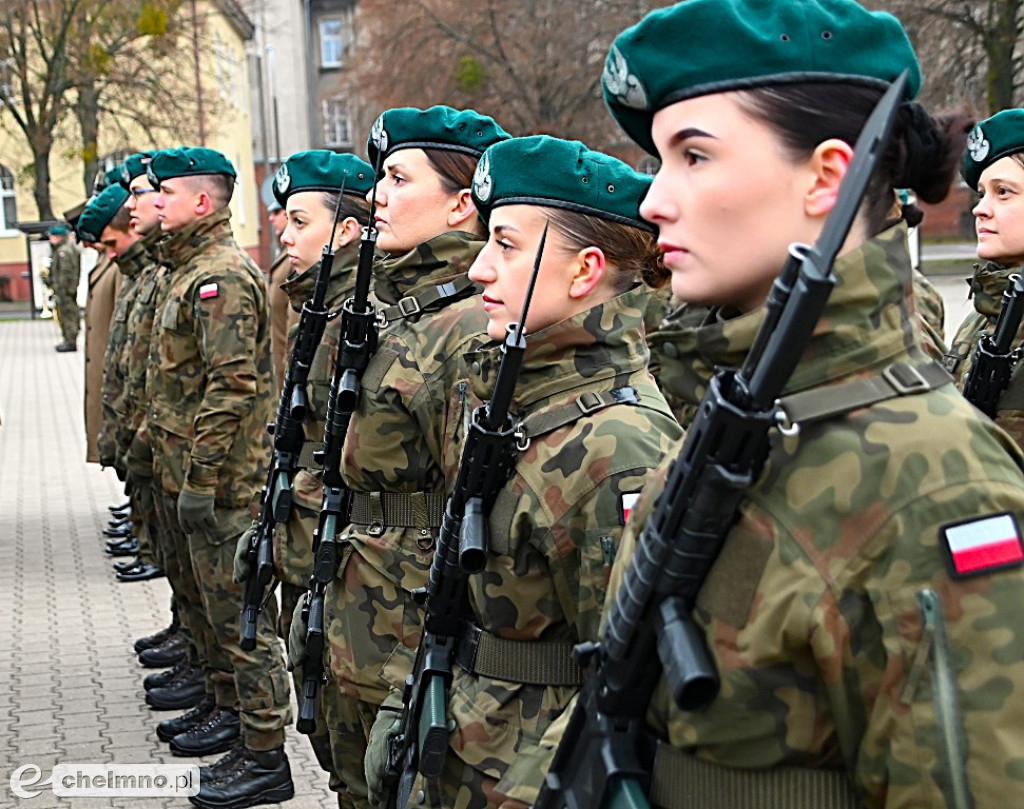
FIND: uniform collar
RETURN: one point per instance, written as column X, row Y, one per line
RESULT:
column 341, row 284
column 434, row 262
column 192, row 240
column 987, row 285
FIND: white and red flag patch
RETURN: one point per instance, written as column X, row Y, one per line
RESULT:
column 208, row 291
column 983, row 545
column 626, row 503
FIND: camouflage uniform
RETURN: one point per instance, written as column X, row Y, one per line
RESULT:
column 553, row 533
column 987, row 286
column 211, row 387
column 813, row 611
column 394, row 445
column 293, row 541
column 65, row 273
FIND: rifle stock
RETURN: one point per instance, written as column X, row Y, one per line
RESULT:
column 605, row 756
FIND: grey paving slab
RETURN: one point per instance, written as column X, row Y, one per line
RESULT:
column 72, row 689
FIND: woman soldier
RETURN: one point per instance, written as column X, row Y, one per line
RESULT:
column 864, row 612
column 308, row 186
column 428, row 235
column 593, row 427
column 994, row 167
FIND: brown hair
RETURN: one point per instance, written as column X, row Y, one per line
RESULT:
column 922, row 154
column 120, row 220
column 455, row 169
column 632, row 251
column 356, row 207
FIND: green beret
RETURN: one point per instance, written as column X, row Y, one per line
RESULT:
column 439, row 127
column 699, row 47
column 322, row 170
column 993, row 138
column 100, row 210
column 554, row 173
column 106, row 179
column 134, row 166
column 187, row 161
column 60, row 229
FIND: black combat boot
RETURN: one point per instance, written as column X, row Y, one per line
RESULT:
column 215, row 735
column 149, row 641
column 257, row 777
column 169, row 728
column 162, row 679
column 225, row 765
column 185, row 691
column 166, row 654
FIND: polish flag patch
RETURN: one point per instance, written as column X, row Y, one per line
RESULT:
column 981, row 546
column 626, row 503
column 208, row 291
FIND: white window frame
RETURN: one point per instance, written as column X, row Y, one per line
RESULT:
column 333, row 44
column 335, row 116
column 8, row 191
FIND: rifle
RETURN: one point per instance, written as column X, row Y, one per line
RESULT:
column 603, row 758
column 359, row 332
column 276, row 497
column 488, row 459
column 995, row 357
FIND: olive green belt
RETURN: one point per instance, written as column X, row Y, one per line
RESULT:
column 529, row 662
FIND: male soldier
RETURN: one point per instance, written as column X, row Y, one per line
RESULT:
column 65, row 272
column 211, row 396
column 280, row 308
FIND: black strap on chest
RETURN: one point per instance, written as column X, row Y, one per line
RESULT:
column 899, row 379
column 431, row 299
column 588, row 402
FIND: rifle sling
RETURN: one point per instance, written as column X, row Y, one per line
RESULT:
column 529, row 662
column 546, row 421
column 435, row 297
column 397, row 509
column 679, row 776
column 899, row 379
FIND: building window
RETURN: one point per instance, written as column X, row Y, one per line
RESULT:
column 337, row 131
column 332, row 43
column 8, row 201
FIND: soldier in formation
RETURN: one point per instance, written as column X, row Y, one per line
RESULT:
column 64, row 275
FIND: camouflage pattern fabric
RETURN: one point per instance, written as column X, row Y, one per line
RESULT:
column 65, row 274
column 813, row 612
column 554, row 532
column 394, row 445
column 211, row 389
column 987, row 285
column 930, row 313
column 210, row 380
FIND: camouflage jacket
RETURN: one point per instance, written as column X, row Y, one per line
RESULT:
column 65, row 269
column 394, row 444
column 210, row 380
column 554, row 529
column 987, row 286
column 296, row 563
column 687, row 344
column 134, row 359
column 814, row 611
column 109, row 441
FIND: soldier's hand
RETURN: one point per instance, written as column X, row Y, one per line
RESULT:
column 138, row 460
column 240, row 568
column 378, row 749
column 195, row 513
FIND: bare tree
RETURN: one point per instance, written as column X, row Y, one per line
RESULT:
column 534, row 65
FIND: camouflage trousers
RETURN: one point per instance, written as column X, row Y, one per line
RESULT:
column 259, row 677
column 342, row 726
column 293, row 560
column 459, row 787
column 145, row 524
column 188, row 603
column 67, row 314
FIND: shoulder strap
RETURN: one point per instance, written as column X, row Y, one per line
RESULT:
column 899, row 379
column 547, row 421
column 432, row 298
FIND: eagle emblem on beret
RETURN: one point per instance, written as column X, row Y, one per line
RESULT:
column 126, row 174
column 151, row 176
column 482, row 182
column 282, row 179
column 620, row 83
column 977, row 144
column 379, row 135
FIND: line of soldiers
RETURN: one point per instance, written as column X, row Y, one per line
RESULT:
column 474, row 468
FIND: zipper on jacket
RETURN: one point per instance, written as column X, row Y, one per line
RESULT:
column 944, row 696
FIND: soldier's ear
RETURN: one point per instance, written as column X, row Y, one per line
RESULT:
column 589, row 268
column 349, row 231
column 463, row 209
column 827, row 167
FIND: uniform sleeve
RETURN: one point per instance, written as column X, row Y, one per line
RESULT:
column 227, row 314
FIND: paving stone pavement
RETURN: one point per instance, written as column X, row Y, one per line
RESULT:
column 70, row 685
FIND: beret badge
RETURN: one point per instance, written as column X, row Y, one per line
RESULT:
column 620, row 83
column 977, row 144
column 379, row 135
column 482, row 183
column 283, row 179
